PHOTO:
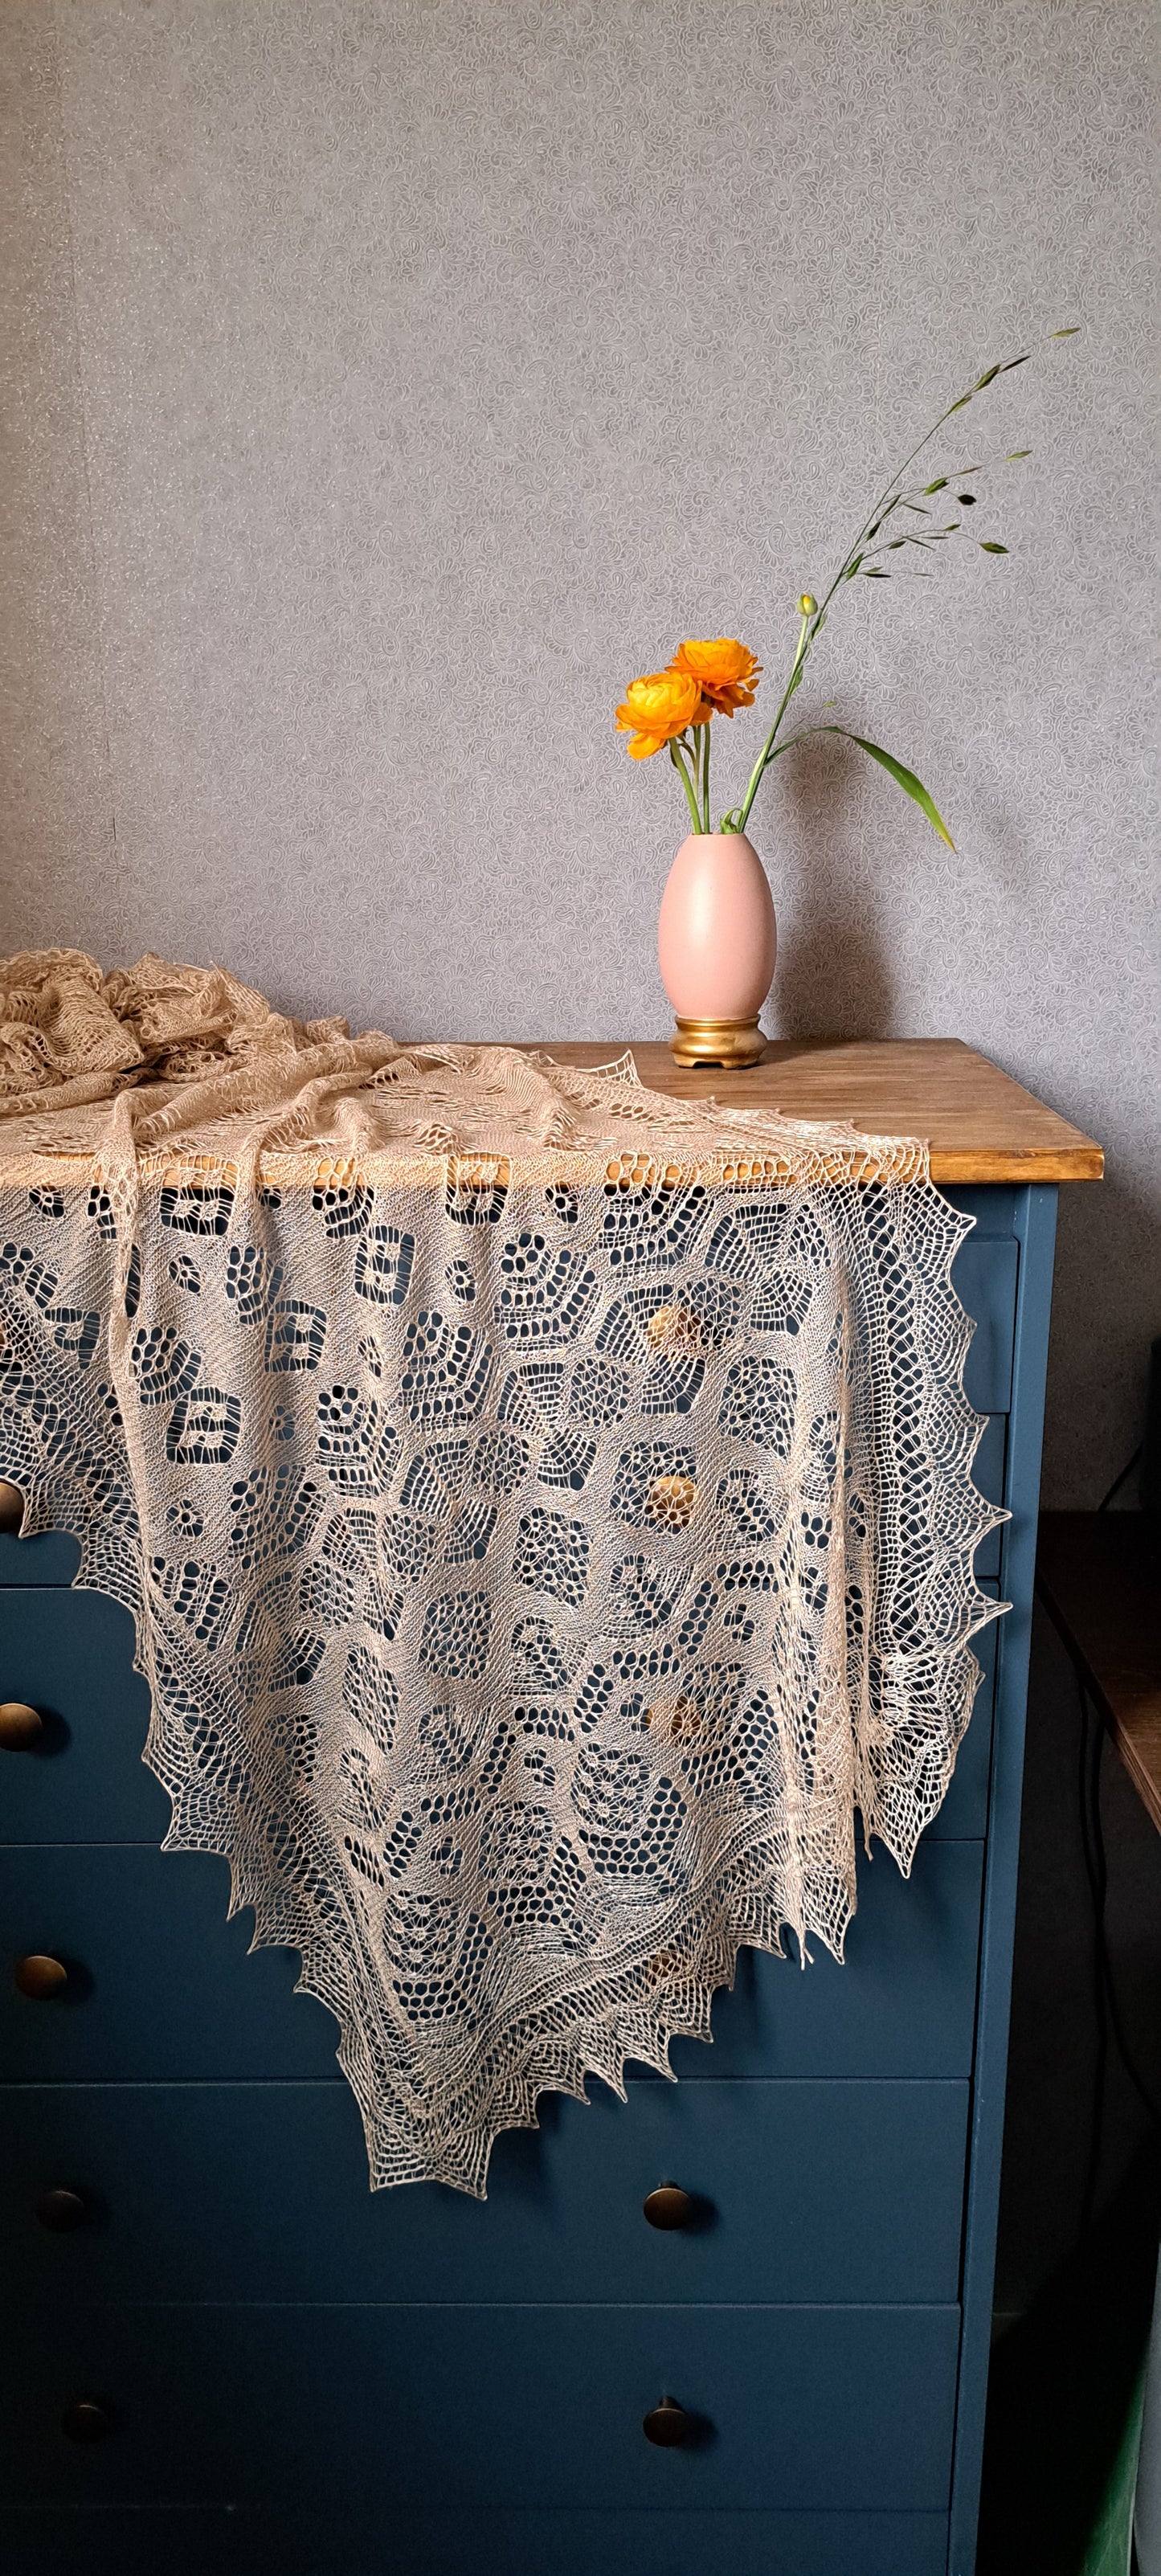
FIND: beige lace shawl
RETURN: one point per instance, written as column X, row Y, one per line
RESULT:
column 545, row 1507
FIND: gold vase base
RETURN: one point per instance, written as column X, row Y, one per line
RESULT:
column 729, row 1043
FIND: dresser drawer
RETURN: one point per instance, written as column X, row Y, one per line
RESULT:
column 70, row 1653
column 161, row 1985
column 802, row 2192
column 218, row 2540
column 86, row 1782
column 808, row 2408
column 52, row 1558
column 903, row 2004
column 70, row 1656
column 160, row 1982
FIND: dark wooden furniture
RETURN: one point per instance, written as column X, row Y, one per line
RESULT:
column 1099, row 1576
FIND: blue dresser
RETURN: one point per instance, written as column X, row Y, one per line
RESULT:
column 225, row 2357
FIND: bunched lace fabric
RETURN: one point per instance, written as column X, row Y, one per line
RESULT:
column 545, row 1507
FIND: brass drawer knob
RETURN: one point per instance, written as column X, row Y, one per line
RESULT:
column 40, row 1977
column 86, row 2421
column 669, row 2425
column 61, row 2210
column 11, row 1507
column 20, row 1726
column 669, row 2206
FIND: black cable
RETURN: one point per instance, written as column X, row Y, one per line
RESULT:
column 1125, row 1473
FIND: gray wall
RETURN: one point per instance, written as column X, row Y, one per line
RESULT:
column 390, row 380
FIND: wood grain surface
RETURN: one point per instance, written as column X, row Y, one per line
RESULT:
column 977, row 1122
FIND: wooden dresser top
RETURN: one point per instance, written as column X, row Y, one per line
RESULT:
column 978, row 1123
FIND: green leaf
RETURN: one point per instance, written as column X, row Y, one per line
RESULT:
column 853, row 568
column 939, row 485
column 1069, row 332
column 895, row 544
column 1016, row 362
column 1017, row 456
column 918, row 508
column 986, row 380
column 904, row 778
column 875, row 572
column 965, row 399
column 988, row 546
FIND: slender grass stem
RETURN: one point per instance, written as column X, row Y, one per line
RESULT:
column 890, row 498
column 691, row 759
column 885, row 495
column 767, row 749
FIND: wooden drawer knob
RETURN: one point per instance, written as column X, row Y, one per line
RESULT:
column 11, row 1507
column 39, row 1977
column 669, row 2206
column 85, row 2421
column 669, row 2426
column 20, row 1726
column 61, row 2210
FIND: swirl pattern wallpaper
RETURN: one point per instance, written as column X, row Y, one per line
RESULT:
column 389, row 381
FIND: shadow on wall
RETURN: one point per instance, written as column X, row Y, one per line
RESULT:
column 836, row 979
column 1108, row 1266
column 833, row 979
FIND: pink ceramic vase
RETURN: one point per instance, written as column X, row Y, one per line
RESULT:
column 717, row 941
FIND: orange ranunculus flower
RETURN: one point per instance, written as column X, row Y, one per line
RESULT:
column 726, row 673
column 658, row 708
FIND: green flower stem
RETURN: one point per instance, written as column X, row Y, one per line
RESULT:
column 960, row 404
column 883, row 499
column 888, row 500
column 695, row 780
column 767, row 751
column 687, row 783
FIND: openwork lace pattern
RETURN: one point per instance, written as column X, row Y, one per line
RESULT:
column 545, row 1508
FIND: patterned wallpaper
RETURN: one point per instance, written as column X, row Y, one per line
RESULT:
column 390, row 380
